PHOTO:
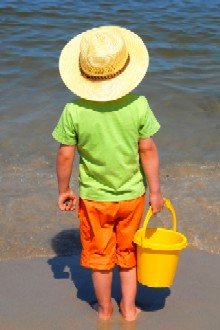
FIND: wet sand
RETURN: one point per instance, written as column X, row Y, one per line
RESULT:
column 33, row 225
column 42, row 293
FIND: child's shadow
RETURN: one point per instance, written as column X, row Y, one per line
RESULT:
column 66, row 264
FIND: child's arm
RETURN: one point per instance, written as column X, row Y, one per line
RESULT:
column 65, row 157
column 150, row 163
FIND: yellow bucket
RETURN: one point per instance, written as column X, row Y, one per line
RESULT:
column 158, row 251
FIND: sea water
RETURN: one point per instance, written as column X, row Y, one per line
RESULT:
column 182, row 87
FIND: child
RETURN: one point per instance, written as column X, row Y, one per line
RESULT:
column 111, row 129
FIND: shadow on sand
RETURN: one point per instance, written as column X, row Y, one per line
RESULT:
column 66, row 264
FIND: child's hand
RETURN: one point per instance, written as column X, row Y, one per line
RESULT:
column 67, row 201
column 156, row 202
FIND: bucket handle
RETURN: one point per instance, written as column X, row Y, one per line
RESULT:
column 169, row 206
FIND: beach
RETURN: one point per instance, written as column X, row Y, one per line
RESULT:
column 42, row 293
column 182, row 88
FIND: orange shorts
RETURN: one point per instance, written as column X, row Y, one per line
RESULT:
column 107, row 230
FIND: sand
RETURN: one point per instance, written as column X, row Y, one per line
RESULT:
column 56, row 293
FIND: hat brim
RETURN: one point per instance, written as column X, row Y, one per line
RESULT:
column 110, row 89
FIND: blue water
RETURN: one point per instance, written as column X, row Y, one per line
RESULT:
column 182, row 86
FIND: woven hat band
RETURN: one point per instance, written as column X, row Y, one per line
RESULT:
column 106, row 77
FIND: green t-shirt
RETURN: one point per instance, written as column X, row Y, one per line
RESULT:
column 107, row 135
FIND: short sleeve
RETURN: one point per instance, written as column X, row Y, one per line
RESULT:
column 64, row 131
column 148, row 124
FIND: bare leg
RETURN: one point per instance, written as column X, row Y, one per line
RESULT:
column 102, row 281
column 129, row 290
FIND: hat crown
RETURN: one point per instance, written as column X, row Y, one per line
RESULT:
column 102, row 52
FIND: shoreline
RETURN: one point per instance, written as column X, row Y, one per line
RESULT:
column 32, row 257
column 43, row 230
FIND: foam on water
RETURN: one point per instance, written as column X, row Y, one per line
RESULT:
column 33, row 226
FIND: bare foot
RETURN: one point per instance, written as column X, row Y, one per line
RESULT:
column 105, row 314
column 129, row 315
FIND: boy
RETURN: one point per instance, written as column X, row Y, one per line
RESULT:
column 111, row 128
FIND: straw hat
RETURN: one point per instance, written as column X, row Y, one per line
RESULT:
column 103, row 63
